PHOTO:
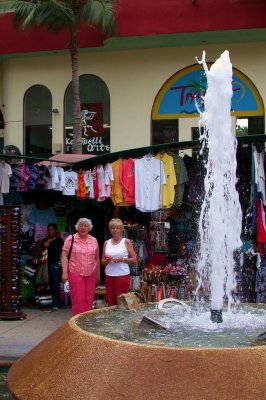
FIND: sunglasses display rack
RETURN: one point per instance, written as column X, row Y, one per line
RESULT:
column 10, row 263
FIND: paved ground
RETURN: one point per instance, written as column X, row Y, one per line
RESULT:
column 18, row 337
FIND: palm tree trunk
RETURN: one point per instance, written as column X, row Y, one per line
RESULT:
column 76, row 109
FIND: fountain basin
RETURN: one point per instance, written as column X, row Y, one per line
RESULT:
column 73, row 364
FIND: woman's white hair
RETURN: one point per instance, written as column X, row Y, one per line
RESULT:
column 82, row 220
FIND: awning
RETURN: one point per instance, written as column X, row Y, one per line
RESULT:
column 65, row 159
column 86, row 160
column 141, row 151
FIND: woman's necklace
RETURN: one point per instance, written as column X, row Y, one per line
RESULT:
column 116, row 241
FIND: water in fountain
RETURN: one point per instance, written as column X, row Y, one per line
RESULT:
column 186, row 327
column 221, row 215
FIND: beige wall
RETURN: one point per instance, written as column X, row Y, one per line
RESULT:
column 133, row 78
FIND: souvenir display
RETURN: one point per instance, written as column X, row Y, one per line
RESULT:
column 10, row 263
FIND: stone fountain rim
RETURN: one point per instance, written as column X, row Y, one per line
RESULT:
column 73, row 325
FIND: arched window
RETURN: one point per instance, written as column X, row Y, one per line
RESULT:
column 175, row 114
column 38, row 121
column 95, row 110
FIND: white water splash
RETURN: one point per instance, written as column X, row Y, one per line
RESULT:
column 221, row 215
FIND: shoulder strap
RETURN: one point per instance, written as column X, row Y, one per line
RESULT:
column 70, row 250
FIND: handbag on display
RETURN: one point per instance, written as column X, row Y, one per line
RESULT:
column 36, row 249
column 45, row 301
column 29, row 271
column 44, row 257
column 41, row 276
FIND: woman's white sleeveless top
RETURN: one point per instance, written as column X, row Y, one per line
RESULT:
column 116, row 250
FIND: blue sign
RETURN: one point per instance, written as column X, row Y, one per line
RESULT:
column 182, row 95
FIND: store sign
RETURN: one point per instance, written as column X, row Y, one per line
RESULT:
column 95, row 138
column 92, row 119
column 183, row 94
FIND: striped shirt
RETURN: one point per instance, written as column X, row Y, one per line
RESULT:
column 83, row 255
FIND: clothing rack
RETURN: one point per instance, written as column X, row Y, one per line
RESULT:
column 4, row 156
column 135, row 232
column 136, row 152
column 154, row 149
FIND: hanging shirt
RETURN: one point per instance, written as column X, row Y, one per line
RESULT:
column 149, row 181
column 44, row 176
column 127, row 180
column 61, row 179
column 21, row 174
column 25, row 211
column 196, row 173
column 89, row 184
column 259, row 174
column 53, row 180
column 82, row 190
column 70, row 188
column 169, row 187
column 101, row 183
column 5, row 174
column 108, row 179
column 181, row 178
column 40, row 218
column 34, row 176
column 116, row 189
column 260, row 226
column 95, row 183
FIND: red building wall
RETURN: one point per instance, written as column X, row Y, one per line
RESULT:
column 145, row 17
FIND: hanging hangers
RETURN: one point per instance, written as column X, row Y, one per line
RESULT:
column 69, row 167
column 148, row 153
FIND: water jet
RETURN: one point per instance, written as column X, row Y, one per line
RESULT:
column 220, row 222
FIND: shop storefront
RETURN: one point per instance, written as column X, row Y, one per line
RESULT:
column 166, row 240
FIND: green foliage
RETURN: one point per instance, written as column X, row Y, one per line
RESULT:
column 241, row 130
column 55, row 15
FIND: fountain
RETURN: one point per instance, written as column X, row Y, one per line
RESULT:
column 105, row 353
column 221, row 215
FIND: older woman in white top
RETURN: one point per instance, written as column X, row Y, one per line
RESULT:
column 118, row 253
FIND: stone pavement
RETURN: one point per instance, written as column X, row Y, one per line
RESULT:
column 20, row 336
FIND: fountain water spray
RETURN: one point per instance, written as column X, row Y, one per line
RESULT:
column 221, row 216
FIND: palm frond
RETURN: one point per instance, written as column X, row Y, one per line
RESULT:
column 100, row 13
column 53, row 15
